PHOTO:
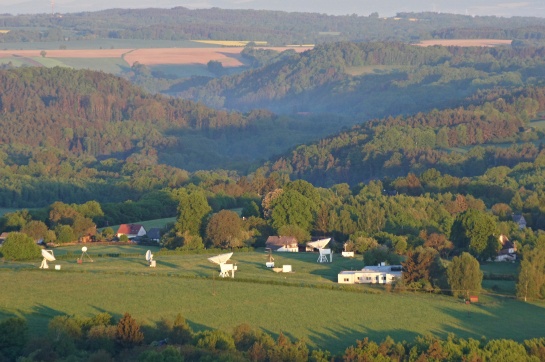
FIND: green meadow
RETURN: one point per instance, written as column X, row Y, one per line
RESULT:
column 307, row 303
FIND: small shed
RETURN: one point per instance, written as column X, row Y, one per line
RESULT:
column 154, row 234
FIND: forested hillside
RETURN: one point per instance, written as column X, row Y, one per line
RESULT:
column 275, row 27
column 443, row 139
column 71, row 135
column 373, row 79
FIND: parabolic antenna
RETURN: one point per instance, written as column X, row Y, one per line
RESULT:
column 48, row 256
column 149, row 258
column 319, row 244
column 220, row 259
column 84, row 249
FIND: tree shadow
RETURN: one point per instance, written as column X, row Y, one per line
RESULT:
column 337, row 340
column 496, row 318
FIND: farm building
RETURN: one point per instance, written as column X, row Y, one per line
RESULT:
column 508, row 250
column 381, row 274
column 131, row 230
column 282, row 243
column 154, row 234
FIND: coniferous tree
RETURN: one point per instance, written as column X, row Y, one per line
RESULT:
column 128, row 332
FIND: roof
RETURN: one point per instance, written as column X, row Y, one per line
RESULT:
column 518, row 218
column 129, row 229
column 280, row 241
column 154, row 233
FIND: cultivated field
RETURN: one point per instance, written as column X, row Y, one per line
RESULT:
column 466, row 42
column 228, row 56
column 305, row 304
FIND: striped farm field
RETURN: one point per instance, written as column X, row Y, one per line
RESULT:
column 231, row 43
column 229, row 56
column 465, row 42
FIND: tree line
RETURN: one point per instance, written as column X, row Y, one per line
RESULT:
column 275, row 27
column 104, row 338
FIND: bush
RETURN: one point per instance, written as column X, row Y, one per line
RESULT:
column 13, row 337
column 19, row 246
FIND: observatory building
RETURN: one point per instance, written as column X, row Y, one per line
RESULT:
column 381, row 274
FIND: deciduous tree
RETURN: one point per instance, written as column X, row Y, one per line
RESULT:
column 464, row 275
column 20, row 246
column 224, row 230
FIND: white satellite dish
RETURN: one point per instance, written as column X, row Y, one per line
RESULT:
column 149, row 259
column 225, row 267
column 48, row 256
column 323, row 256
column 220, row 259
column 319, row 244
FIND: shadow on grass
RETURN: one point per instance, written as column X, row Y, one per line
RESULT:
column 337, row 340
column 496, row 318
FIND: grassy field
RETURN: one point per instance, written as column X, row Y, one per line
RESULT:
column 106, row 44
column 5, row 210
column 307, row 303
column 148, row 224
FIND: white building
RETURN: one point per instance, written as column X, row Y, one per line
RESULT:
column 381, row 274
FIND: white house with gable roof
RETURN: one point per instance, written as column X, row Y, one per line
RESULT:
column 380, row 274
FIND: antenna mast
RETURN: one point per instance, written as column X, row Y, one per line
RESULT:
column 52, row 7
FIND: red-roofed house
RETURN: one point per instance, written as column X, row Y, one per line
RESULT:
column 131, row 230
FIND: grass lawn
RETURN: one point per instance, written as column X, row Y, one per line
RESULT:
column 148, row 224
column 6, row 210
column 327, row 317
column 108, row 65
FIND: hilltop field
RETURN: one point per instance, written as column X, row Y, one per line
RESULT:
column 307, row 303
column 113, row 59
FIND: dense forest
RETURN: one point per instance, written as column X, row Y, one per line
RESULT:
column 371, row 79
column 275, row 27
column 72, row 135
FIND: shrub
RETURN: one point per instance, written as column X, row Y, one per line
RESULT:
column 13, row 337
column 19, row 246
column 128, row 332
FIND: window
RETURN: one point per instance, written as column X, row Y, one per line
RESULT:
column 346, row 279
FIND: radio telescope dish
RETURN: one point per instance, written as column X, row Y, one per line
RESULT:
column 84, row 249
column 220, row 259
column 319, row 244
column 48, row 256
column 149, row 259
column 323, row 256
column 226, row 266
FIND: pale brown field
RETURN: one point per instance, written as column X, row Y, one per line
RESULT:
column 228, row 56
column 465, row 42
column 58, row 53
